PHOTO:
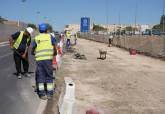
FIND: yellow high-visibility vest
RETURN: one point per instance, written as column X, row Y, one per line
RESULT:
column 44, row 49
column 76, row 36
column 68, row 35
column 19, row 39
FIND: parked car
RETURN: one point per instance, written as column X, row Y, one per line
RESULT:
column 156, row 32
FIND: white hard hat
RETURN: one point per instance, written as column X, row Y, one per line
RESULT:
column 52, row 34
column 30, row 30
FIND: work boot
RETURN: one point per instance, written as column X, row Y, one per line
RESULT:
column 19, row 76
column 44, row 97
column 27, row 75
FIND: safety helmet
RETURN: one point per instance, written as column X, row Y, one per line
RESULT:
column 30, row 30
column 43, row 27
column 52, row 34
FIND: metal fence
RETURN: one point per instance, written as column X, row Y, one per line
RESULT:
column 149, row 45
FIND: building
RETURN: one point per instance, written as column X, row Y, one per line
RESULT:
column 72, row 27
column 111, row 28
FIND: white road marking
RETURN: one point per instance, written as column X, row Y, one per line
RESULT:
column 41, row 107
column 4, row 43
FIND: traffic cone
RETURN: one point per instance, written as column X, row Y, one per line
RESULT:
column 54, row 63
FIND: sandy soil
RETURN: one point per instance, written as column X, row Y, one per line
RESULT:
column 121, row 84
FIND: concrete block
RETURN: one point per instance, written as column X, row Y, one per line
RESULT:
column 67, row 97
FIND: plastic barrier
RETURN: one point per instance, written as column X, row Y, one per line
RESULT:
column 67, row 98
column 55, row 66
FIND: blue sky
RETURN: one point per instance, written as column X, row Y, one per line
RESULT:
column 62, row 12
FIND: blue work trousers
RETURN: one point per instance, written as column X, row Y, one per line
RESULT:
column 68, row 43
column 44, row 74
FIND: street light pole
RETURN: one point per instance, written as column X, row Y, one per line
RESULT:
column 23, row 7
column 107, row 13
column 119, row 26
column 163, row 14
column 135, row 17
column 38, row 15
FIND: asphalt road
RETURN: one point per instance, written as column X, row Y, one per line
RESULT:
column 16, row 96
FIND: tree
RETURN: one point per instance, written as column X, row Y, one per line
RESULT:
column 161, row 26
column 98, row 28
column 66, row 26
column 162, row 19
column 129, row 28
column 2, row 19
column 32, row 25
column 157, row 27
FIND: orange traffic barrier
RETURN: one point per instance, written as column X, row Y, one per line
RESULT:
column 59, row 50
column 54, row 65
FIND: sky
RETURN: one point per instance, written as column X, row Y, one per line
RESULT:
column 59, row 13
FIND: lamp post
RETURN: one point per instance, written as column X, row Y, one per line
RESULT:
column 163, row 14
column 38, row 14
column 19, row 22
column 45, row 19
column 114, row 29
column 107, row 13
column 119, row 26
column 135, row 17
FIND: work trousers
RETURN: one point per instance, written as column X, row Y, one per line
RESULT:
column 68, row 43
column 19, row 60
column 44, row 77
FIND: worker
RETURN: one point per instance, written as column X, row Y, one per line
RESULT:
column 110, row 40
column 43, row 47
column 75, row 38
column 19, row 43
column 68, row 37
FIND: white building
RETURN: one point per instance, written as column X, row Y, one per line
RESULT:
column 144, row 27
column 111, row 28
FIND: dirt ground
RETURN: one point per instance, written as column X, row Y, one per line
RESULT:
column 120, row 84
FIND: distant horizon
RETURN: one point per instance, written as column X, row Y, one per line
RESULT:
column 90, row 23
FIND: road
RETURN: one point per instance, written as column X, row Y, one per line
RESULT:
column 16, row 96
column 120, row 84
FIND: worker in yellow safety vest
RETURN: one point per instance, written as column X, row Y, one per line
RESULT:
column 68, row 37
column 19, row 43
column 75, row 38
column 44, row 48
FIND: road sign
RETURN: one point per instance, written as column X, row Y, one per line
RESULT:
column 85, row 24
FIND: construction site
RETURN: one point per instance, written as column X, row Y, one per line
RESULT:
column 117, row 82
column 82, row 57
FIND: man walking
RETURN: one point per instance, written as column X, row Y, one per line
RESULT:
column 44, row 49
column 75, row 38
column 19, row 43
column 68, row 37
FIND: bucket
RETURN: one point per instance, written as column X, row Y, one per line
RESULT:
column 133, row 51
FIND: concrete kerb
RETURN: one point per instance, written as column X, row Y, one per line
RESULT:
column 67, row 98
